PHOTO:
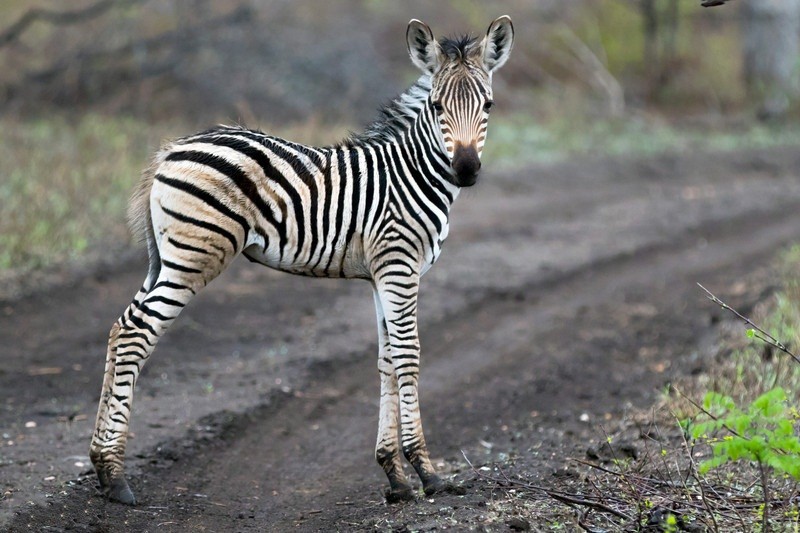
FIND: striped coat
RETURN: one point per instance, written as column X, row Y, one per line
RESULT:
column 374, row 207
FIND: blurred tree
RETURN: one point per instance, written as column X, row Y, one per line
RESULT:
column 203, row 59
column 770, row 45
column 660, row 20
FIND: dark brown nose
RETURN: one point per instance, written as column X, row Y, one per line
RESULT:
column 466, row 163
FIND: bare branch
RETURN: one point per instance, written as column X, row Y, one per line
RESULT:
column 761, row 335
column 58, row 18
column 708, row 413
column 599, row 75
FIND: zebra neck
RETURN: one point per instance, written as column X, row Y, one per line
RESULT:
column 407, row 136
column 396, row 117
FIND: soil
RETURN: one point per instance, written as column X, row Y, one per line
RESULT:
column 564, row 300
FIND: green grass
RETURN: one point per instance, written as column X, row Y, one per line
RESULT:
column 64, row 186
column 516, row 141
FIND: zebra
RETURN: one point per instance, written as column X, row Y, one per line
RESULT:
column 373, row 207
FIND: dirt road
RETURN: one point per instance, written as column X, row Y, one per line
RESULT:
column 565, row 296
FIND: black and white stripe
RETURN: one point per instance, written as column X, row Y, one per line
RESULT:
column 374, row 207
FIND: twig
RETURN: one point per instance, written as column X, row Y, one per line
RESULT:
column 765, row 489
column 167, row 39
column 708, row 413
column 568, row 498
column 761, row 334
column 655, row 481
column 582, row 521
column 693, row 470
column 637, row 494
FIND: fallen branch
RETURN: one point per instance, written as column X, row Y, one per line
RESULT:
column 573, row 499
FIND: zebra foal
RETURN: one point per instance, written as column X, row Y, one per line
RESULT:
column 374, row 207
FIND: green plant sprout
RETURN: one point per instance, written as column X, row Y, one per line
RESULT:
column 762, row 432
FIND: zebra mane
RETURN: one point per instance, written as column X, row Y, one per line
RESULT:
column 457, row 48
column 395, row 117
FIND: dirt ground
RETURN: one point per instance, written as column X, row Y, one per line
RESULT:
column 565, row 298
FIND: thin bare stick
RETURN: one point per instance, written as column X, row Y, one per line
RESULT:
column 765, row 489
column 758, row 333
column 637, row 494
column 708, row 413
column 693, row 470
column 587, row 503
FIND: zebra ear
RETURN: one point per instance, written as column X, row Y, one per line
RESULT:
column 422, row 47
column 497, row 43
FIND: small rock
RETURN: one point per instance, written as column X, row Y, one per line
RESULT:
column 609, row 452
column 566, row 472
column 518, row 524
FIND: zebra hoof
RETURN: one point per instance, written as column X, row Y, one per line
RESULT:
column 403, row 493
column 119, row 491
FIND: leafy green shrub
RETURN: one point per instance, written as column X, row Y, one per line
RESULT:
column 762, row 432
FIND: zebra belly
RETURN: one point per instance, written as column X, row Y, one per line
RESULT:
column 341, row 261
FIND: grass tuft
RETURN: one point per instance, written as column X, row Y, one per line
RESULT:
column 65, row 186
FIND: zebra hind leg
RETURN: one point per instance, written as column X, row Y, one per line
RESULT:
column 131, row 342
column 120, row 340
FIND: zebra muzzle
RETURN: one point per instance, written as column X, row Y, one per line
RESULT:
column 466, row 164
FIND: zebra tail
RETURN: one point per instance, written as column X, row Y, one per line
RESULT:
column 140, row 220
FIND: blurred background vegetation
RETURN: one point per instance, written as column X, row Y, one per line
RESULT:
column 90, row 87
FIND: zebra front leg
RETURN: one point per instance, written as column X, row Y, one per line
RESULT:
column 387, row 448
column 398, row 298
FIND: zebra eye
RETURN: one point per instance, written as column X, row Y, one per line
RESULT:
column 488, row 106
column 437, row 106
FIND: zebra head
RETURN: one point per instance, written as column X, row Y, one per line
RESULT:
column 461, row 89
